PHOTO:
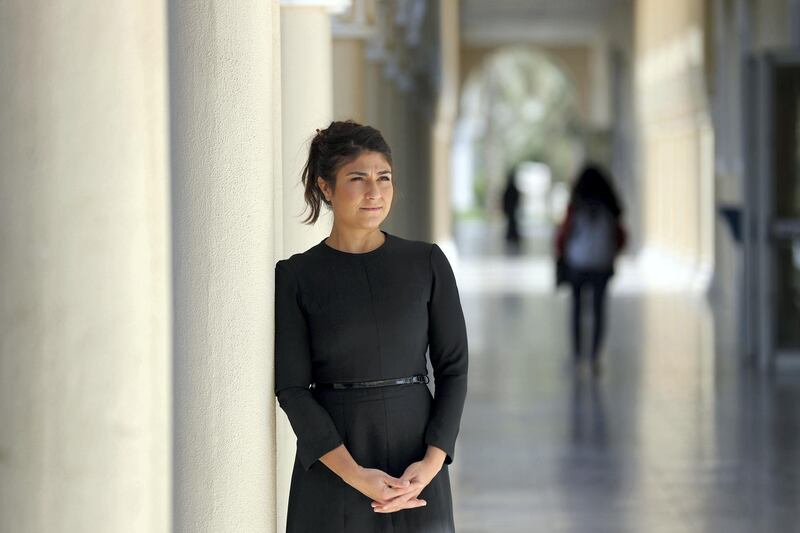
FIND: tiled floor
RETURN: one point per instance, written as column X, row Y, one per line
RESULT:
column 673, row 437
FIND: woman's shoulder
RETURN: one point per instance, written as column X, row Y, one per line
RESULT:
column 421, row 256
column 400, row 250
column 302, row 260
column 410, row 247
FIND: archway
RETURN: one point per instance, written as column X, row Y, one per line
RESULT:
column 519, row 114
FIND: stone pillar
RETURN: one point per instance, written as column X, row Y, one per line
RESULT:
column 307, row 88
column 224, row 73
column 600, row 105
column 85, row 282
column 446, row 110
column 307, row 103
column 373, row 81
column 349, row 80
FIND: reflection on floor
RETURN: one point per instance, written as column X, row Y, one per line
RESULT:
column 673, row 437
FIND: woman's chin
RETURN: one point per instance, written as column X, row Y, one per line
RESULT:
column 372, row 219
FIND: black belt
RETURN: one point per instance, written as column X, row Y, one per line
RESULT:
column 419, row 378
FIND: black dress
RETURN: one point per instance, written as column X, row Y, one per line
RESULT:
column 343, row 317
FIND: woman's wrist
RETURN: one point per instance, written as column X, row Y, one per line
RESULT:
column 435, row 457
column 343, row 465
column 354, row 475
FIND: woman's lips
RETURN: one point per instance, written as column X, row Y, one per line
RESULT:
column 372, row 208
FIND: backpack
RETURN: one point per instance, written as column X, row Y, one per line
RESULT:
column 592, row 240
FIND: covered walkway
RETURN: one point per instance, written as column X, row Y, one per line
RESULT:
column 150, row 163
column 673, row 437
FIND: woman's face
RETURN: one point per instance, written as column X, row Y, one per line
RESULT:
column 363, row 193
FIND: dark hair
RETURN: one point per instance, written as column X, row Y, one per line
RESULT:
column 336, row 145
column 594, row 186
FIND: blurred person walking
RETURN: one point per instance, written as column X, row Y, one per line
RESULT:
column 587, row 244
column 511, row 201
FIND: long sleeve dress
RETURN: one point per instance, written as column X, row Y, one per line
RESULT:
column 345, row 317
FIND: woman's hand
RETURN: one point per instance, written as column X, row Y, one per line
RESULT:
column 379, row 485
column 372, row 483
column 418, row 475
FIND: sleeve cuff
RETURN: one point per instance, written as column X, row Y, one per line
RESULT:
column 309, row 453
column 449, row 449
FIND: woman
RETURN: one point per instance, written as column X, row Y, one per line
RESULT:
column 588, row 242
column 354, row 317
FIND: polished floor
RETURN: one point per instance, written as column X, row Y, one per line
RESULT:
column 673, row 437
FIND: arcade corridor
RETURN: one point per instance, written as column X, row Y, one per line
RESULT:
column 673, row 437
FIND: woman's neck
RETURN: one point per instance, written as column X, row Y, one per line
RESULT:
column 355, row 241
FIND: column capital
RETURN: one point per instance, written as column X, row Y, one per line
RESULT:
column 335, row 7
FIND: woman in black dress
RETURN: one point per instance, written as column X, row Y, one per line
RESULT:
column 355, row 315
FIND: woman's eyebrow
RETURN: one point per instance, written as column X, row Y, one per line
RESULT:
column 362, row 173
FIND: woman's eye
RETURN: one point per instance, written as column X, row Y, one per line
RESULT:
column 386, row 178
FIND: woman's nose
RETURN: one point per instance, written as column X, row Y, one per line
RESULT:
column 373, row 191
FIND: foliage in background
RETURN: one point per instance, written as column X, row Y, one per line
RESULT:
column 525, row 109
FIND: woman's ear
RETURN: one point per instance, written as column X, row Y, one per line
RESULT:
column 324, row 187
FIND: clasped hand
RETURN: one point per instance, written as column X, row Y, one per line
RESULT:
column 390, row 494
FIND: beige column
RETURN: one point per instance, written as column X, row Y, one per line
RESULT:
column 351, row 33
column 307, row 87
column 373, row 78
column 307, row 103
column 391, row 120
column 85, row 281
column 349, row 80
column 600, row 98
column 226, row 202
column 446, row 111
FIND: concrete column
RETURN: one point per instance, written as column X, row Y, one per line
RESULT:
column 373, row 81
column 446, row 111
column 226, row 216
column 307, row 103
column 392, row 120
column 307, row 88
column 349, row 80
column 85, row 281
column 600, row 84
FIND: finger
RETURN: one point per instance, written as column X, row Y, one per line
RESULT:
column 396, row 482
column 411, row 493
column 393, row 497
column 390, row 493
column 409, row 473
column 398, row 501
column 412, row 477
column 410, row 504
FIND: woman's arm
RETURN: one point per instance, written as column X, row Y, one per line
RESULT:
column 373, row 483
column 563, row 232
column 313, row 425
column 447, row 338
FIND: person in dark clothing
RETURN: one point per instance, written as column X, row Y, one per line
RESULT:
column 354, row 316
column 511, row 199
column 588, row 241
